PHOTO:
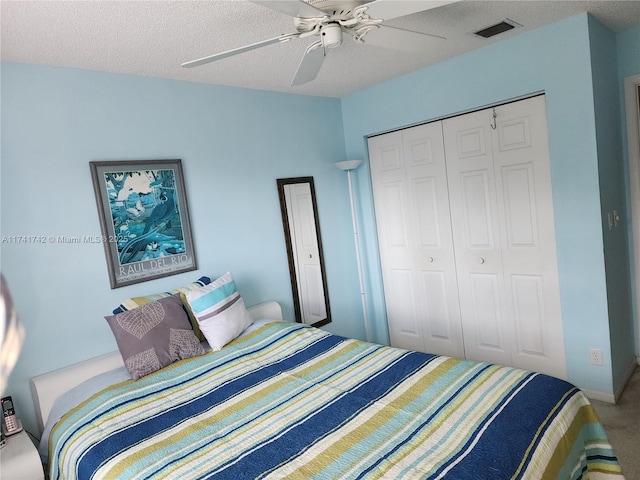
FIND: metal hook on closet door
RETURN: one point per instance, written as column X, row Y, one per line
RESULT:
column 494, row 115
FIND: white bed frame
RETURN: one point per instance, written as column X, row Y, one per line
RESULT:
column 46, row 388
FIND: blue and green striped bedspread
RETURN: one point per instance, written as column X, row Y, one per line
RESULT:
column 294, row 402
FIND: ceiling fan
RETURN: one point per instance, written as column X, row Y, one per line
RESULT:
column 329, row 19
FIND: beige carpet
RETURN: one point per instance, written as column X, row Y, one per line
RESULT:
column 622, row 423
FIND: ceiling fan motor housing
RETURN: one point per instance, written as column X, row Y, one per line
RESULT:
column 331, row 35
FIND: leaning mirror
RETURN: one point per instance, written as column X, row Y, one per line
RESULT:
column 304, row 250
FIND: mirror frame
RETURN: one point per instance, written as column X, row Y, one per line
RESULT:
column 282, row 182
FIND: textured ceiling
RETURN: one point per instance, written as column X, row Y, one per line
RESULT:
column 153, row 38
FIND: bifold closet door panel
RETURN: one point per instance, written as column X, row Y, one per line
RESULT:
column 521, row 159
column 478, row 247
column 504, row 236
column 416, row 247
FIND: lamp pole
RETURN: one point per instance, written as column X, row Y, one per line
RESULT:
column 348, row 166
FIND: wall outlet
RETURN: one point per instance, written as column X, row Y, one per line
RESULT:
column 596, row 356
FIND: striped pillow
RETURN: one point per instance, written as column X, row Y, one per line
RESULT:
column 219, row 310
column 135, row 302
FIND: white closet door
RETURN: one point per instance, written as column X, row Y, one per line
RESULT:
column 307, row 252
column 478, row 248
column 521, row 159
column 414, row 231
column 502, row 216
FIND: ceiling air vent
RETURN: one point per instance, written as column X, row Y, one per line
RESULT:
column 497, row 29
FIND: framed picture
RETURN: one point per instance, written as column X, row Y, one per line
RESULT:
column 144, row 219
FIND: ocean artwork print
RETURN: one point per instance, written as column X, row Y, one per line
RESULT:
column 144, row 219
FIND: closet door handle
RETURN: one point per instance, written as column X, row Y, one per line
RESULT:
column 480, row 260
column 430, row 259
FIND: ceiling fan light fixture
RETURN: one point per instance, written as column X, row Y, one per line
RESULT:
column 331, row 35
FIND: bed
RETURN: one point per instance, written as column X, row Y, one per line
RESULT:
column 285, row 400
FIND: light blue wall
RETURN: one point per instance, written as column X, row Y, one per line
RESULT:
column 628, row 57
column 628, row 45
column 613, row 198
column 554, row 59
column 233, row 143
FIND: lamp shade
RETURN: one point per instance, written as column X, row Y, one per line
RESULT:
column 348, row 164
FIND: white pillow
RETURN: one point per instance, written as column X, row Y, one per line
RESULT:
column 219, row 310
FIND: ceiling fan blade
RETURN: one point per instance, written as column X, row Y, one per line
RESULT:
column 236, row 51
column 294, row 8
column 400, row 39
column 388, row 9
column 309, row 65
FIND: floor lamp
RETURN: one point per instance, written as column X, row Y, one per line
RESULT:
column 348, row 166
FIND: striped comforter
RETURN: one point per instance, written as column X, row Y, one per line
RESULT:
column 290, row 401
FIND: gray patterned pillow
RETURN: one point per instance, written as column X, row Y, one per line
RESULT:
column 154, row 335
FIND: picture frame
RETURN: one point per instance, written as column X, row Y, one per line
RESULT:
column 144, row 218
